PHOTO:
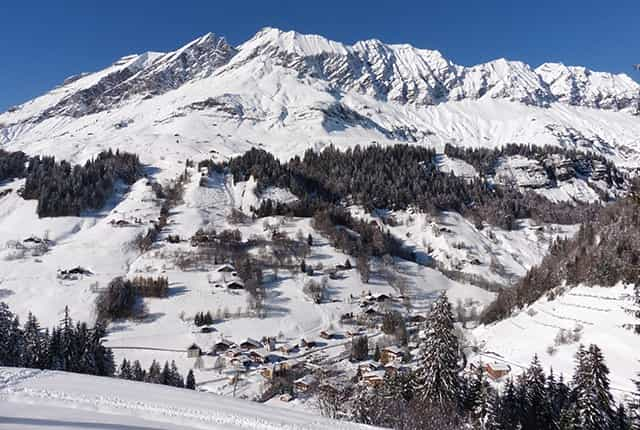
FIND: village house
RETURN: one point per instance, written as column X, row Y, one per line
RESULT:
column 308, row 343
column 194, row 351
column 288, row 348
column 222, row 346
column 374, row 378
column 390, row 354
column 251, row 344
column 368, row 366
column 497, row 370
column 328, row 335
column 305, row 383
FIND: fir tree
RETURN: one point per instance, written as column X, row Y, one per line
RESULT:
column 591, row 387
column 438, row 378
column 191, row 381
column 125, row 371
column 538, row 414
column 137, row 372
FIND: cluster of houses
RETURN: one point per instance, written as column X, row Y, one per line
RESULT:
column 227, row 277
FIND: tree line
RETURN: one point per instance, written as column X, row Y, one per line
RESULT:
column 391, row 177
column 71, row 347
column 12, row 164
column 167, row 375
column 65, row 190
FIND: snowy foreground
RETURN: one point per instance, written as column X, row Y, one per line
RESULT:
column 32, row 399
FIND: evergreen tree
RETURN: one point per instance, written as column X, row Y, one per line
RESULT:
column 538, row 414
column 438, row 378
column 191, row 381
column 621, row 420
column 125, row 371
column 153, row 375
column 592, row 393
column 510, row 410
column 137, row 372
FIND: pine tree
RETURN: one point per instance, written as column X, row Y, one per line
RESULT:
column 153, row 375
column 510, row 410
column 125, row 371
column 165, row 375
column 492, row 412
column 438, row 371
column 538, row 414
column 376, row 353
column 591, row 387
column 137, row 372
column 621, row 420
column 191, row 381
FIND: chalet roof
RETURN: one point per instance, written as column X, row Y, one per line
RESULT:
column 193, row 346
column 252, row 342
column 226, row 342
column 496, row 365
column 374, row 374
column 226, row 268
column 396, row 350
column 306, row 380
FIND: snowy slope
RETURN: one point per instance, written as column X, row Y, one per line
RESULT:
column 598, row 314
column 31, row 399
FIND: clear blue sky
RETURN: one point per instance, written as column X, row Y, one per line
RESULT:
column 44, row 41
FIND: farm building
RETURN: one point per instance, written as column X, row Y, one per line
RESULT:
column 305, row 383
column 222, row 346
column 390, row 354
column 251, row 344
column 194, row 351
column 497, row 370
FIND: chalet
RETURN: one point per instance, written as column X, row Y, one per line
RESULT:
column 194, row 351
column 258, row 356
column 356, row 332
column 390, row 354
column 328, row 335
column 308, row 343
column 222, row 346
column 226, row 268
column 241, row 361
column 368, row 366
column 305, row 383
column 497, row 370
column 374, row 378
column 120, row 223
column 233, row 352
column 288, row 348
column 380, row 298
column 207, row 329
column 251, row 344
column 235, row 284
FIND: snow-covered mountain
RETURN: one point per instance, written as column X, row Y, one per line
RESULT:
column 289, row 91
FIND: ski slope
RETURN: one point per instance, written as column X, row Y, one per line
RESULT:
column 32, row 399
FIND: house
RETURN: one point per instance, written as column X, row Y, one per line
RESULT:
column 356, row 332
column 258, row 356
column 308, row 343
column 497, row 370
column 226, row 268
column 251, row 344
column 368, row 366
column 288, row 348
column 235, row 284
column 381, row 298
column 222, row 346
column 193, row 351
column 305, row 383
column 391, row 353
column 328, row 335
column 207, row 329
column 374, row 378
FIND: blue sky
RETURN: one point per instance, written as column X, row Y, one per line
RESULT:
column 41, row 43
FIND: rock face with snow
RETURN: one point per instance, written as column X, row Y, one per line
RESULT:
column 397, row 73
column 289, row 92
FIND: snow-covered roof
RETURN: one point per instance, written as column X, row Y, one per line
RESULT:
column 306, row 380
column 499, row 366
column 396, row 350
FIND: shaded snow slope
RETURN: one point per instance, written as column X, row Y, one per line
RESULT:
column 31, row 399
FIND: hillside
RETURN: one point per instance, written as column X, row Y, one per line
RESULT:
column 32, row 399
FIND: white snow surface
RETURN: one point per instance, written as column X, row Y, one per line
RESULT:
column 32, row 399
